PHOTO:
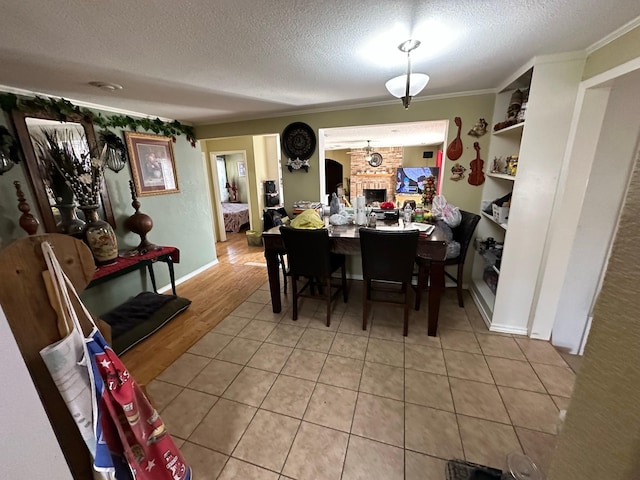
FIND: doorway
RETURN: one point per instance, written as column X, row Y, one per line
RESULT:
column 600, row 156
column 405, row 143
column 333, row 176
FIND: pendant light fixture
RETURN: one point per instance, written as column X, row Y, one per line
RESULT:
column 410, row 84
column 367, row 151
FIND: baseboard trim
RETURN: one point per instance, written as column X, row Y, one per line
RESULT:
column 486, row 316
column 508, row 329
column 167, row 288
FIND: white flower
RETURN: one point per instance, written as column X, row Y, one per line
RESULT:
column 85, row 178
column 96, row 162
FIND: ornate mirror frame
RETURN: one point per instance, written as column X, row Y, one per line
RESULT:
column 33, row 170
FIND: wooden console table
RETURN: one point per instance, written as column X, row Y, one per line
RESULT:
column 126, row 264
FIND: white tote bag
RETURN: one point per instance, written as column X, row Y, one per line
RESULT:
column 66, row 361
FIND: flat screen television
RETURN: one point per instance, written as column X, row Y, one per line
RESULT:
column 410, row 179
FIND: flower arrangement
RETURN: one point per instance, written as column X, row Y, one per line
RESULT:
column 65, row 152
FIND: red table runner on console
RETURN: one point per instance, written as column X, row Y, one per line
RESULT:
column 122, row 263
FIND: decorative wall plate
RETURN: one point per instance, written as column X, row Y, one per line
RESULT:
column 298, row 141
column 376, row 159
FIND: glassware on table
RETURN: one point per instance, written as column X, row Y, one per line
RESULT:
column 521, row 467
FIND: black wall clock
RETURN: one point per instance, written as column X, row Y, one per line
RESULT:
column 298, row 141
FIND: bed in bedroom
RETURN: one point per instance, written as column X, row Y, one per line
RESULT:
column 235, row 216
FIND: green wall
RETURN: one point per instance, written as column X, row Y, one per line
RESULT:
column 182, row 219
column 299, row 185
column 412, row 156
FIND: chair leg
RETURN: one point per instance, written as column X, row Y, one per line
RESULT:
column 284, row 273
column 294, row 289
column 405, row 330
column 344, row 283
column 422, row 283
column 329, row 301
column 459, row 284
column 365, row 304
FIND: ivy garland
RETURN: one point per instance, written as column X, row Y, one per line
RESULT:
column 61, row 109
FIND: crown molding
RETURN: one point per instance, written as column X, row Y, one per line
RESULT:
column 626, row 28
column 80, row 103
column 337, row 108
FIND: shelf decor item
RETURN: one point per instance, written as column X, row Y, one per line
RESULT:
column 83, row 173
column 99, row 236
column 27, row 221
column 8, row 150
column 140, row 224
column 116, row 150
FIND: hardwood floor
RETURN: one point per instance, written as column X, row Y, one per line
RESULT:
column 214, row 293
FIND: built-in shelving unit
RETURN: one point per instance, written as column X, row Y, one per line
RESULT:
column 490, row 217
column 502, row 176
column 505, row 294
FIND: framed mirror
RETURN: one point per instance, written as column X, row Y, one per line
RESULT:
column 56, row 205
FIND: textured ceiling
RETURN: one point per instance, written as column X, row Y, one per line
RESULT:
column 203, row 61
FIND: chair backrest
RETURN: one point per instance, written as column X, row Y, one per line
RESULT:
column 388, row 255
column 463, row 233
column 308, row 251
column 272, row 217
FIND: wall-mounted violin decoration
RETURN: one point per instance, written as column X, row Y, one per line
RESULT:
column 476, row 177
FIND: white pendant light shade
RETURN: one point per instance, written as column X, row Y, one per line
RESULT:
column 397, row 86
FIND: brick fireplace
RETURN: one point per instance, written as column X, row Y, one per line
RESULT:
column 365, row 177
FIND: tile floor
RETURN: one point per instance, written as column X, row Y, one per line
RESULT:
column 264, row 397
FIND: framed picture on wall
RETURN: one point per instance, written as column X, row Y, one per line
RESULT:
column 242, row 169
column 153, row 166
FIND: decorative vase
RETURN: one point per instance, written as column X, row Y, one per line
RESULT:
column 140, row 223
column 99, row 236
column 69, row 223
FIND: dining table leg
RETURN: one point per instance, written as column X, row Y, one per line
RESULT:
column 436, row 288
column 273, row 267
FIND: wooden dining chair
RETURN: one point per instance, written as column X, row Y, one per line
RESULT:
column 463, row 234
column 389, row 257
column 310, row 256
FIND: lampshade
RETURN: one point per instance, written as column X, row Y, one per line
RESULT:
column 397, row 86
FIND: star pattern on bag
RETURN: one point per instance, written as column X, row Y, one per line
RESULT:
column 105, row 363
column 150, row 465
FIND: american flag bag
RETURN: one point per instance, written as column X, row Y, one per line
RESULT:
column 132, row 442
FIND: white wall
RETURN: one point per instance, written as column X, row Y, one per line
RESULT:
column 598, row 217
column 29, row 446
column 600, row 152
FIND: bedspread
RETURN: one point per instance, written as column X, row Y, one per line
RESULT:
column 235, row 215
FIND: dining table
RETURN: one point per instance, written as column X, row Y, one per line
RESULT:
column 345, row 239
